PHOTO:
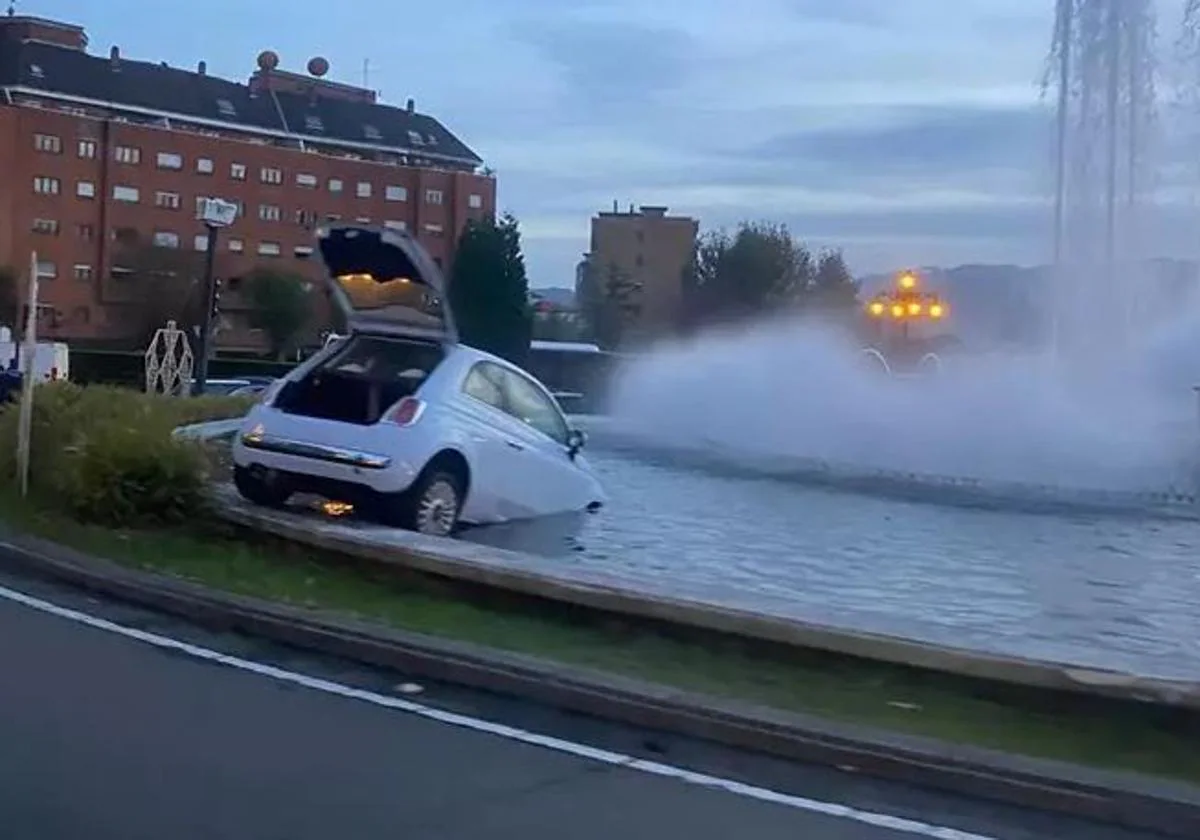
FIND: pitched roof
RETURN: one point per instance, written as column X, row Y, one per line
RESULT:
column 188, row 94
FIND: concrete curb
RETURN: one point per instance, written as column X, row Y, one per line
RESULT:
column 1121, row 799
column 500, row 569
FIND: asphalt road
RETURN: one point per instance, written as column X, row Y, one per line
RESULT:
column 105, row 736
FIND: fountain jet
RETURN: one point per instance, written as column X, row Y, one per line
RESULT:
column 1103, row 73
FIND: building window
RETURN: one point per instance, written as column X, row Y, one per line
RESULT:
column 475, row 201
column 237, row 246
column 372, row 133
column 46, row 226
column 82, row 271
column 303, row 179
column 204, row 166
column 396, row 225
column 46, row 185
column 86, row 232
column 363, row 190
column 363, row 220
column 436, row 230
column 395, row 193
column 166, row 239
column 271, row 175
column 225, row 109
column 313, row 123
column 269, row 212
column 237, row 171
column 305, row 218
column 268, row 249
column 85, row 189
column 129, row 194
column 433, row 196
column 127, row 154
column 50, row 143
column 47, row 270
column 335, row 185
column 167, row 200
column 87, row 149
column 200, row 243
column 169, row 160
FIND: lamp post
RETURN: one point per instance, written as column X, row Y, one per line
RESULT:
column 216, row 214
column 906, row 304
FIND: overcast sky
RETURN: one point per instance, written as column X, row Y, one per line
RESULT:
column 904, row 131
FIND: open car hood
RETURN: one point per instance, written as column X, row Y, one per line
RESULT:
column 384, row 281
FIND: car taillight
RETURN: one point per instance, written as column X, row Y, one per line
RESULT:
column 407, row 412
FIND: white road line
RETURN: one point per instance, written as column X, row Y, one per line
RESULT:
column 898, row 824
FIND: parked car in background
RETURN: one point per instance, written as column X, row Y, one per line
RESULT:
column 399, row 418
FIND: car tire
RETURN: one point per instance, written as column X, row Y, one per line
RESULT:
column 431, row 506
column 258, row 490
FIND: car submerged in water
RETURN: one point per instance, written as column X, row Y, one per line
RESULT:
column 400, row 419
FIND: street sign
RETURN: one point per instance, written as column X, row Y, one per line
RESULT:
column 216, row 212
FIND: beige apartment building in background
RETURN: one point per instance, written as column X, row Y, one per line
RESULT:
column 653, row 250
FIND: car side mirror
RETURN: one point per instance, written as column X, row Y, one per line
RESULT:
column 576, row 440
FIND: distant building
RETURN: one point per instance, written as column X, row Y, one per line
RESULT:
column 95, row 147
column 653, row 250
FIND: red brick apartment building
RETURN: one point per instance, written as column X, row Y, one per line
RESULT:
column 94, row 147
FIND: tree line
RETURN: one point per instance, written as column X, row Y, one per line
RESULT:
column 758, row 269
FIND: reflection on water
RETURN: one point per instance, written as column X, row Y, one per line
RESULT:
column 1107, row 592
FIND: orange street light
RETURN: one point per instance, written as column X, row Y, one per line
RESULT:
column 908, row 281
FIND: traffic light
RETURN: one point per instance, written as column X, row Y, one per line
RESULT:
column 216, row 296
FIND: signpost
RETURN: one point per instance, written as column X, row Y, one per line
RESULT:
column 28, row 352
column 216, row 214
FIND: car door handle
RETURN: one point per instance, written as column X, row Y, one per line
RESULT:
column 514, row 445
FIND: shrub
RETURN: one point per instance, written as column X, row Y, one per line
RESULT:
column 106, row 454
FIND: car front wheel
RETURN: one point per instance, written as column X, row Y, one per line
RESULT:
column 431, row 506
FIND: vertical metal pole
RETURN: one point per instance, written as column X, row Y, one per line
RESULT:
column 203, row 340
column 25, row 418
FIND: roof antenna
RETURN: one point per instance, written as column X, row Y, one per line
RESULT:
column 366, row 73
column 12, row 9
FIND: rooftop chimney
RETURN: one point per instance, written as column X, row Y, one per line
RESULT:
column 411, row 106
column 114, row 56
column 202, row 68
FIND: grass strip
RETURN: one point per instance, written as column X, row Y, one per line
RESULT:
column 1110, row 734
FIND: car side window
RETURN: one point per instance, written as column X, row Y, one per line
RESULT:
column 485, row 383
column 529, row 404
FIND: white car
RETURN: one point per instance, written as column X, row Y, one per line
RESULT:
column 400, row 419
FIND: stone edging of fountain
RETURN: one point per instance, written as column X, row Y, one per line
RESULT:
column 513, row 572
column 1136, row 802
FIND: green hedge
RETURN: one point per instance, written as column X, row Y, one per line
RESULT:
column 107, row 455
